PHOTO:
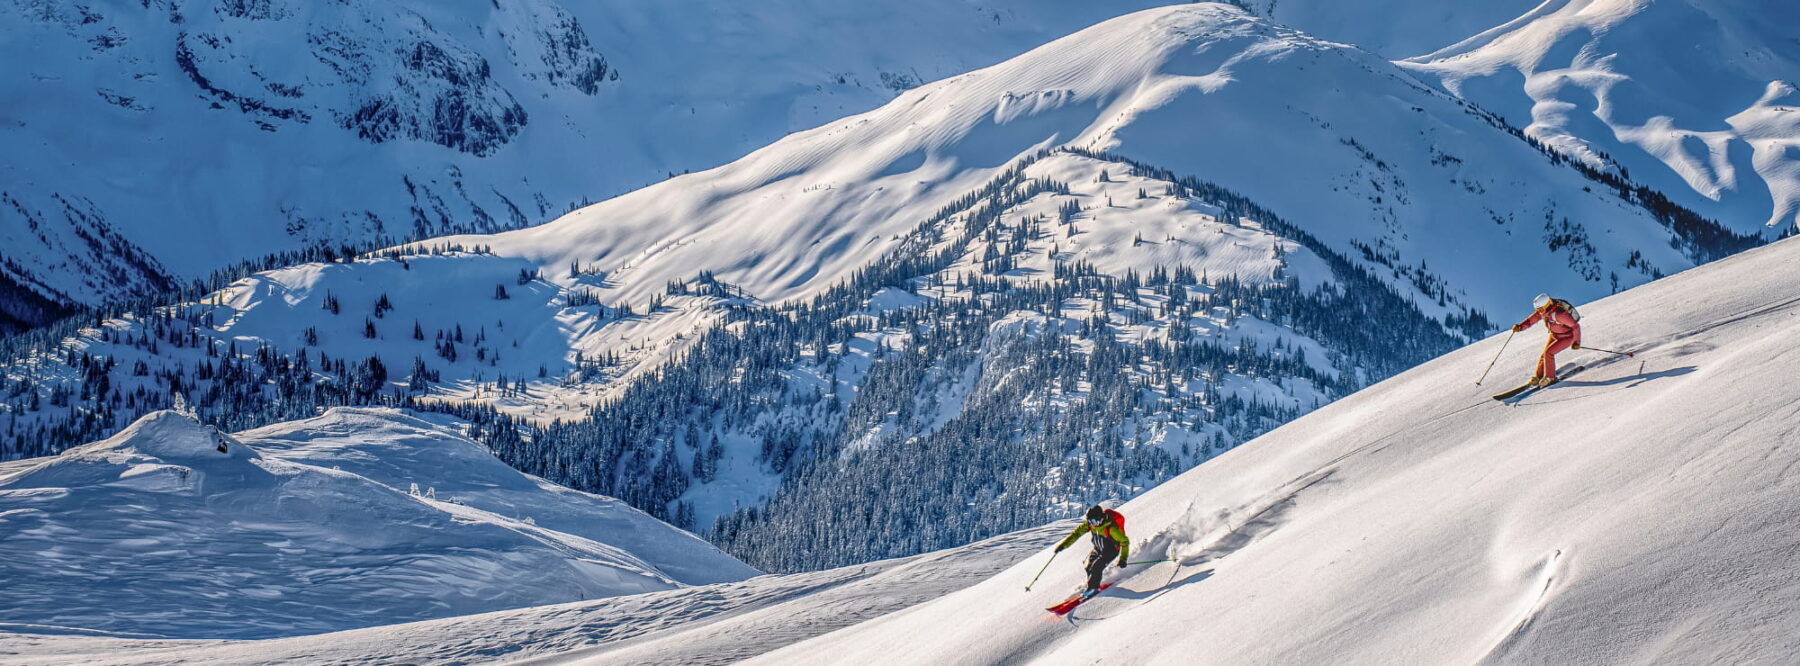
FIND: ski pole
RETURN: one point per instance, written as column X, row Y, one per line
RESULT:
column 1609, row 351
column 1040, row 573
column 1149, row 561
column 1484, row 373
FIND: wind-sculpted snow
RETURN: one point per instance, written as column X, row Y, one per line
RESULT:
column 399, row 449
column 357, row 518
column 1393, row 28
column 1693, row 98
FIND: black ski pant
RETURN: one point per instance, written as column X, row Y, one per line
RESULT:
column 1105, row 551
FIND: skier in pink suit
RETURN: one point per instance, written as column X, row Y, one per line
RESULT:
column 1565, row 333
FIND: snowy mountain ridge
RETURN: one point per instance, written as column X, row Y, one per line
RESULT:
column 1694, row 99
column 195, row 533
column 350, row 123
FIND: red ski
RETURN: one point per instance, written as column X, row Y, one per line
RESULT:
column 1070, row 603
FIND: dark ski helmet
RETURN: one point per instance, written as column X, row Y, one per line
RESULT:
column 1096, row 513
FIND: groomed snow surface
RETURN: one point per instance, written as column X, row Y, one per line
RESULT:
column 1639, row 512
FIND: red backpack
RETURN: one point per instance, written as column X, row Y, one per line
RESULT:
column 1116, row 518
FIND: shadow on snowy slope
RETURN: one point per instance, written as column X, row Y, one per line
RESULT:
column 1634, row 380
column 1624, row 383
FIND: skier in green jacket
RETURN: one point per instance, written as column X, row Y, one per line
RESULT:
column 1108, row 528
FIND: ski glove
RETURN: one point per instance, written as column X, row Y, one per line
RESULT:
column 1517, row 328
column 1576, row 346
column 1122, row 563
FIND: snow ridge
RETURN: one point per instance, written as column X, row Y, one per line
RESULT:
column 172, row 528
column 1708, row 122
column 301, row 124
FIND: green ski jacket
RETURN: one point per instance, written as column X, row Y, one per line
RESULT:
column 1106, row 530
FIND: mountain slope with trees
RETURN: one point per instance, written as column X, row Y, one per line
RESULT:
column 1104, row 261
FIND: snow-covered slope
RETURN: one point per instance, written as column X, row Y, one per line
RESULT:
column 357, row 518
column 1335, row 163
column 1393, row 28
column 154, row 139
column 1336, row 140
column 1339, row 141
column 1694, row 98
column 1639, row 512
column 399, row 449
column 713, row 624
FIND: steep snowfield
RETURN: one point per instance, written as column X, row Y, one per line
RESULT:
column 1639, row 512
column 1696, row 99
column 143, row 139
column 357, row 518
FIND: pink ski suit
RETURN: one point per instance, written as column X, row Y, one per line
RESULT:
column 1565, row 332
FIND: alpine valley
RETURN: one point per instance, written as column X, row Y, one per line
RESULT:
column 868, row 288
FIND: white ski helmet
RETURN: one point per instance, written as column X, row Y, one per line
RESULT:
column 1539, row 302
